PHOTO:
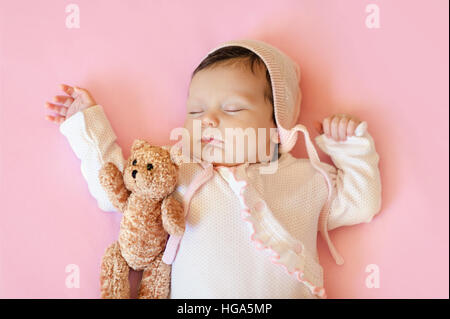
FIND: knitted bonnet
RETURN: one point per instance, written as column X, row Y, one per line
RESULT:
column 285, row 78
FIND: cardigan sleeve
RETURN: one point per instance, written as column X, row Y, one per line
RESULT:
column 93, row 141
column 355, row 177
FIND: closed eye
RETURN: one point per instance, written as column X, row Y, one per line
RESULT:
column 233, row 110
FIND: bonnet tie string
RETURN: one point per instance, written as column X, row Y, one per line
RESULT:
column 174, row 241
column 289, row 139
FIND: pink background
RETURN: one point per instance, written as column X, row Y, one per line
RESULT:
column 136, row 58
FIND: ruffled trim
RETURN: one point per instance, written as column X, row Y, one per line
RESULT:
column 267, row 233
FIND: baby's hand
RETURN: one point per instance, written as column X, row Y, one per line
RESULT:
column 77, row 99
column 338, row 126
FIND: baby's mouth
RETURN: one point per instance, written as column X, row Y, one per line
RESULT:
column 212, row 141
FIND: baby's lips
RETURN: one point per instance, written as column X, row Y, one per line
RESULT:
column 211, row 138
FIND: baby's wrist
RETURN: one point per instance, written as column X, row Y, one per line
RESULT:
column 73, row 111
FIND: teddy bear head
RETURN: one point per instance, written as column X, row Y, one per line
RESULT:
column 150, row 171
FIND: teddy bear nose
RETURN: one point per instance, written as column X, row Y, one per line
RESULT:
column 133, row 173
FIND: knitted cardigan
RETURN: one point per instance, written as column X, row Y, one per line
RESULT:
column 249, row 235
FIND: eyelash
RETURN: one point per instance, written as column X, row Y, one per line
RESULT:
column 228, row 111
column 232, row 111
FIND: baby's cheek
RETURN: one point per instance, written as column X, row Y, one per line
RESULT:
column 264, row 146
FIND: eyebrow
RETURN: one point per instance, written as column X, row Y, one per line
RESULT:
column 239, row 98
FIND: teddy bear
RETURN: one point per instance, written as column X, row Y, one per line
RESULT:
column 143, row 193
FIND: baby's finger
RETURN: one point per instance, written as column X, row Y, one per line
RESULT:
column 67, row 89
column 63, row 99
column 343, row 128
column 55, row 118
column 326, row 126
column 60, row 109
column 77, row 91
column 335, row 128
column 351, row 127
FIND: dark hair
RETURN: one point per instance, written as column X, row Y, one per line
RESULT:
column 238, row 54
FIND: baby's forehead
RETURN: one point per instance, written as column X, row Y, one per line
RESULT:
column 240, row 80
column 235, row 96
column 233, row 93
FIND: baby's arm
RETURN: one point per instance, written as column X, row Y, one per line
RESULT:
column 90, row 135
column 356, row 177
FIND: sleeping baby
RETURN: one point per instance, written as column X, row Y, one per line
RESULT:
column 249, row 233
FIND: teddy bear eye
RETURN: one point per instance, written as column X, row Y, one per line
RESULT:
column 134, row 162
column 149, row 166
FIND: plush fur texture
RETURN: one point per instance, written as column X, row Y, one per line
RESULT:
column 150, row 213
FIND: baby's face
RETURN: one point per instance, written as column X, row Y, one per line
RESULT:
column 230, row 97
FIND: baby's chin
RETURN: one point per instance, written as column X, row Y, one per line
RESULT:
column 216, row 155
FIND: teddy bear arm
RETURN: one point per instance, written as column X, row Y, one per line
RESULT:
column 172, row 213
column 111, row 179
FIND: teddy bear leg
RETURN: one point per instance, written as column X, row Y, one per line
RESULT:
column 114, row 282
column 155, row 283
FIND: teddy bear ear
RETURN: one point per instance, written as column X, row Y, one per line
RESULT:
column 175, row 154
column 137, row 144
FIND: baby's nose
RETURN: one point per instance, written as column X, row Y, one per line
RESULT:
column 133, row 173
column 210, row 120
